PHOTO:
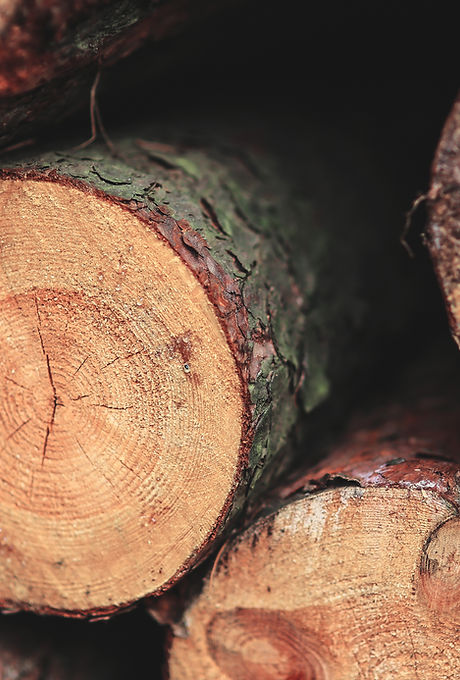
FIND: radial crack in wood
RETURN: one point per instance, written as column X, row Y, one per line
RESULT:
column 146, row 387
column 163, row 324
column 122, row 390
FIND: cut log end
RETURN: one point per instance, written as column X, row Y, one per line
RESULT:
column 440, row 572
column 119, row 387
column 350, row 582
column 357, row 577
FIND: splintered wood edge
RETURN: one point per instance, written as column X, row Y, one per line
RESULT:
column 122, row 407
column 348, row 583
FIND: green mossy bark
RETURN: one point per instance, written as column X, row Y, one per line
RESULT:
column 232, row 210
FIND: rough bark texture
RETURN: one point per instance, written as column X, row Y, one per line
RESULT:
column 444, row 217
column 232, row 225
column 355, row 573
column 411, row 442
column 50, row 52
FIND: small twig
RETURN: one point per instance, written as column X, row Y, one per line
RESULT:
column 408, row 223
column 103, row 131
column 92, row 113
column 96, row 120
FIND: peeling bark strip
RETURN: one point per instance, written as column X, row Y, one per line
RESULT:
column 155, row 325
column 444, row 216
column 355, row 574
column 49, row 51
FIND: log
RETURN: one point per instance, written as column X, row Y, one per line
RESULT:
column 154, row 339
column 163, row 325
column 444, row 217
column 50, row 52
column 353, row 573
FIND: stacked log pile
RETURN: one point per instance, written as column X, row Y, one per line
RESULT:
column 182, row 334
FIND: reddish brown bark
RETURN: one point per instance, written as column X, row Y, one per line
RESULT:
column 50, row 52
column 410, row 444
column 40, row 41
column 444, row 216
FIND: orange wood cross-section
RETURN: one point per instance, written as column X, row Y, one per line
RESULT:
column 118, row 390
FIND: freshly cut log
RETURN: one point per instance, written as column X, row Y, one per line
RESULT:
column 49, row 52
column 158, row 336
column 355, row 573
column 444, row 216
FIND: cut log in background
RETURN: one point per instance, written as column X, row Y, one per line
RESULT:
column 355, row 575
column 444, row 223
column 50, row 52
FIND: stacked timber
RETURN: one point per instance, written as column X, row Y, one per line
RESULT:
column 174, row 304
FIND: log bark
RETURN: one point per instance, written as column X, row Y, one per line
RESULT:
column 50, row 52
column 353, row 573
column 444, row 217
column 163, row 325
column 154, row 328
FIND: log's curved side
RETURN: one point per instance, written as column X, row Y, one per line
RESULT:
column 153, row 343
column 354, row 572
column 412, row 442
column 444, row 217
